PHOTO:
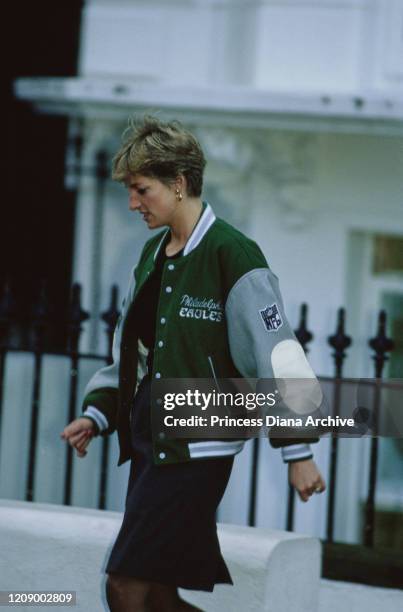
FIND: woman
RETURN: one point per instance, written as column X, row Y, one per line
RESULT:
column 201, row 302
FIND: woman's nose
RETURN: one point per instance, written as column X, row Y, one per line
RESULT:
column 134, row 202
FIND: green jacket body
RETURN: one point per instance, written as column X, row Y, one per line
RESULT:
column 220, row 313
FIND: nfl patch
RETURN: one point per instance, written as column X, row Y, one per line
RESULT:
column 271, row 318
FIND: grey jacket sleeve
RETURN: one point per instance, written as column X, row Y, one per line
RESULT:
column 263, row 345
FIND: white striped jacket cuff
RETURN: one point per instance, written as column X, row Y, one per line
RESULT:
column 98, row 417
column 296, row 452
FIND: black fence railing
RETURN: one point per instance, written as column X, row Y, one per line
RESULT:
column 368, row 559
column 373, row 564
column 38, row 348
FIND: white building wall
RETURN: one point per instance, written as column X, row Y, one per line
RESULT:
column 326, row 46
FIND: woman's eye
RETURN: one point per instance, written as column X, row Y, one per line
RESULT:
column 142, row 190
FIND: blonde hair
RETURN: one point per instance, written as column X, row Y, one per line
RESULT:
column 161, row 150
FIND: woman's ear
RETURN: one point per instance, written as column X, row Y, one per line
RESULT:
column 180, row 183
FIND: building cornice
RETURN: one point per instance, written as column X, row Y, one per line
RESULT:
column 229, row 106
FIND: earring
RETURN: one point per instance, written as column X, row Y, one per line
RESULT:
column 179, row 195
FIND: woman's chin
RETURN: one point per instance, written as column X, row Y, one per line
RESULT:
column 154, row 223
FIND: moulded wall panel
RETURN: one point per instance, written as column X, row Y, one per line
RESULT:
column 234, row 44
column 388, row 43
column 189, row 46
column 119, row 40
column 169, row 43
column 307, row 48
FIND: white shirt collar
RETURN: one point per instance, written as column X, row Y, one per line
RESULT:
column 200, row 230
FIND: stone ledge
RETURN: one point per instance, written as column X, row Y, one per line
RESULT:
column 45, row 546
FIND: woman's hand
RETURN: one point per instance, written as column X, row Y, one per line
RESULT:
column 306, row 478
column 79, row 434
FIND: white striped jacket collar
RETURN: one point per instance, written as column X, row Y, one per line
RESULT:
column 200, row 230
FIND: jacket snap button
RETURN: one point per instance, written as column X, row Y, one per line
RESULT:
column 171, row 267
column 161, row 435
column 160, row 343
column 158, row 375
column 168, row 289
column 162, row 455
column 159, row 401
column 163, row 320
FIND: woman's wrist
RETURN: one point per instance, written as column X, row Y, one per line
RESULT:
column 93, row 423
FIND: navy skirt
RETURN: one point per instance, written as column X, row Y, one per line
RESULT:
column 169, row 531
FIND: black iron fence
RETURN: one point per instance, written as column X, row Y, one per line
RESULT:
column 37, row 346
column 371, row 565
column 367, row 562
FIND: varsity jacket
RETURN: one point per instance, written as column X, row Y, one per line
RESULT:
column 220, row 313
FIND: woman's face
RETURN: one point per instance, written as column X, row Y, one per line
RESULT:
column 154, row 200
